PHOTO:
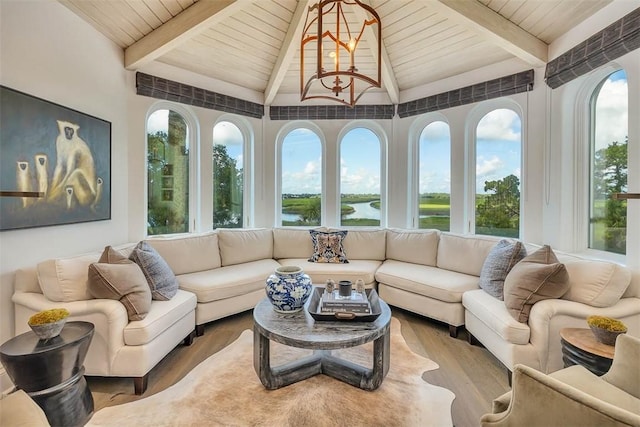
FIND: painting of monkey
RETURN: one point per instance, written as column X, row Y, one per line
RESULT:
column 61, row 154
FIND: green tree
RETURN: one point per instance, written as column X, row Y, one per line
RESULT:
column 500, row 208
column 227, row 189
column 610, row 176
column 312, row 212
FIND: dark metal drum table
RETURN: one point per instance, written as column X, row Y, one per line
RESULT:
column 302, row 331
column 51, row 372
column 580, row 347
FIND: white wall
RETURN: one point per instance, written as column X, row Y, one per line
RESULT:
column 51, row 53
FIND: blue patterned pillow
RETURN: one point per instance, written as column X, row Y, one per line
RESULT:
column 497, row 265
column 160, row 277
column 328, row 247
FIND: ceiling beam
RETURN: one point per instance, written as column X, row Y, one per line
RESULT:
column 389, row 81
column 496, row 28
column 288, row 50
column 192, row 21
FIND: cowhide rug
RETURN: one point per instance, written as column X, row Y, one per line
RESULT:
column 224, row 390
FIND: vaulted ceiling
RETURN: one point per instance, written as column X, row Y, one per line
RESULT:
column 255, row 43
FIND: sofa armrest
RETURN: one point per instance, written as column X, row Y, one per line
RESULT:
column 548, row 317
column 108, row 316
column 562, row 403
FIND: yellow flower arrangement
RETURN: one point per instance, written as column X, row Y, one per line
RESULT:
column 48, row 316
column 607, row 323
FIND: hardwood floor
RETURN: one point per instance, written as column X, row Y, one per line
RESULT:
column 471, row 372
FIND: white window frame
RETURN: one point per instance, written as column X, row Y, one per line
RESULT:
column 193, row 136
column 280, row 137
column 584, row 131
column 415, row 131
column 379, row 132
column 248, row 143
column 471, row 125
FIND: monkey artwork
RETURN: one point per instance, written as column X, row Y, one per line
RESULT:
column 74, row 177
column 23, row 180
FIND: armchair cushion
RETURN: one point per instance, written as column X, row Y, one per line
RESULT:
column 625, row 370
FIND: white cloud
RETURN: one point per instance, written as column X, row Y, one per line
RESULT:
column 362, row 181
column 435, row 131
column 158, row 121
column 226, row 133
column 486, row 168
column 502, row 125
column 612, row 113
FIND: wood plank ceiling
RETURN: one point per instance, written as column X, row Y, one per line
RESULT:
column 255, row 43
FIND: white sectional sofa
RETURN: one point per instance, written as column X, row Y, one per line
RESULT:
column 223, row 272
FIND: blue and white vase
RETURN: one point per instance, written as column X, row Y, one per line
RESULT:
column 288, row 288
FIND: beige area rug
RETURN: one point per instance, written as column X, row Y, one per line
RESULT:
column 224, row 390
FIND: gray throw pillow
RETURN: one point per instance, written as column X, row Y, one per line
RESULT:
column 504, row 255
column 116, row 277
column 537, row 277
column 160, row 277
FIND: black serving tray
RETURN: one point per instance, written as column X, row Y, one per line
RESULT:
column 316, row 298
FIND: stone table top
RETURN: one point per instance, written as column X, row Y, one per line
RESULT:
column 301, row 330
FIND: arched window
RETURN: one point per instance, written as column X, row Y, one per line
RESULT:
column 360, row 178
column 167, row 173
column 301, row 178
column 228, row 175
column 434, row 176
column 498, row 164
column 608, row 164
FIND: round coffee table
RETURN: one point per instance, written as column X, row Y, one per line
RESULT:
column 51, row 372
column 302, row 331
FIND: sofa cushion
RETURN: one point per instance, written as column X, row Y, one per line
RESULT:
column 114, row 276
column 160, row 277
column 291, row 243
column 504, row 255
column 414, row 246
column 365, row 244
column 238, row 246
column 433, row 282
column 464, row 254
column 320, row 272
column 66, row 279
column 227, row 282
column 188, row 253
column 596, row 283
column 328, row 246
column 537, row 277
column 161, row 316
column 494, row 314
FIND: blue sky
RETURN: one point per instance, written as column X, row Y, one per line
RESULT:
column 497, row 154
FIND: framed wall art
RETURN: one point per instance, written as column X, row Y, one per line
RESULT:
column 55, row 166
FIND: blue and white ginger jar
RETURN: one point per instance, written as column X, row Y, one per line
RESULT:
column 288, row 288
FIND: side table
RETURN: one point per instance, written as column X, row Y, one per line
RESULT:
column 580, row 347
column 51, row 372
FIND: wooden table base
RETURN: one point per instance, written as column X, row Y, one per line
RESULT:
column 321, row 362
